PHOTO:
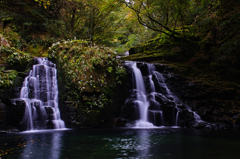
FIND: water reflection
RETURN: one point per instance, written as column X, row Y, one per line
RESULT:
column 137, row 143
column 144, row 144
column 42, row 146
column 56, row 145
column 123, row 143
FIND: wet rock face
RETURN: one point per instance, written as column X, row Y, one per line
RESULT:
column 130, row 110
column 216, row 107
column 13, row 113
column 164, row 107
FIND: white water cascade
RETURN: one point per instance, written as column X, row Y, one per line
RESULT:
column 152, row 99
column 141, row 100
column 40, row 93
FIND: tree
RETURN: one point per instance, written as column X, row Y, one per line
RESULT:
column 32, row 14
column 168, row 17
column 90, row 19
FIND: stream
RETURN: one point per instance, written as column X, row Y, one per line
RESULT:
column 122, row 143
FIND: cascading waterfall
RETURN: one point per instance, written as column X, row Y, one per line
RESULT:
column 156, row 107
column 168, row 94
column 141, row 100
column 40, row 93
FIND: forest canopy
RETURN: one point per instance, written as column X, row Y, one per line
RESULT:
column 115, row 23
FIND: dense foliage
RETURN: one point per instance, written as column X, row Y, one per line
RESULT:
column 16, row 61
column 89, row 75
column 41, row 23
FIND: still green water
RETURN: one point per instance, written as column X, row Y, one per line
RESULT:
column 167, row 143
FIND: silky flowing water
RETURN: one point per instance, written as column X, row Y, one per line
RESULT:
column 154, row 107
column 162, row 143
column 40, row 93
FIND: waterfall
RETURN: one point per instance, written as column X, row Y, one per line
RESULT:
column 141, row 100
column 40, row 93
column 152, row 99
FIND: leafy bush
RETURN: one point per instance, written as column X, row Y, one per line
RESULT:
column 8, row 79
column 16, row 58
column 89, row 74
